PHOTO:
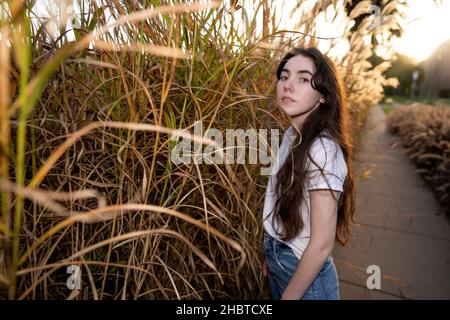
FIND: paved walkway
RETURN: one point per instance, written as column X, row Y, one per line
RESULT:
column 399, row 230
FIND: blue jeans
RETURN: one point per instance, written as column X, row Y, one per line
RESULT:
column 282, row 263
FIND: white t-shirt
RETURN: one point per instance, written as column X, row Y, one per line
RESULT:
column 328, row 155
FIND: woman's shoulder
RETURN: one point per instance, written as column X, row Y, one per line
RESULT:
column 325, row 149
column 326, row 143
column 328, row 163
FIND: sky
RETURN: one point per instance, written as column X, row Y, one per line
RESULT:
column 427, row 24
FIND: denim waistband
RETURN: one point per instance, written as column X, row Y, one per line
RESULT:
column 277, row 245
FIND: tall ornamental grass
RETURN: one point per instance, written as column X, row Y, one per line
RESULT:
column 92, row 207
column 425, row 134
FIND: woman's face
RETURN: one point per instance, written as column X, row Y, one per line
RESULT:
column 295, row 95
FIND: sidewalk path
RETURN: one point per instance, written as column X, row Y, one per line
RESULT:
column 399, row 230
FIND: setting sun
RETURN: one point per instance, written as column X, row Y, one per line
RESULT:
column 427, row 26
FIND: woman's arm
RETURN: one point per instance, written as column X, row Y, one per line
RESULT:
column 323, row 231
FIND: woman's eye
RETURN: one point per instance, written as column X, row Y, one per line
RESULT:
column 304, row 80
column 283, row 78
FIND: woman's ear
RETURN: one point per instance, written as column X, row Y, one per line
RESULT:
column 322, row 100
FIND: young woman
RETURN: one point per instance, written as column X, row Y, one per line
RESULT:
column 309, row 201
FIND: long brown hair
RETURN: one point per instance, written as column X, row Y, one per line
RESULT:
column 331, row 117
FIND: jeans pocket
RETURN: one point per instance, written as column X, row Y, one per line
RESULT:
column 326, row 266
column 316, row 290
column 286, row 259
column 330, row 282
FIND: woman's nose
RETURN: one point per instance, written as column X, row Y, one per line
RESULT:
column 287, row 85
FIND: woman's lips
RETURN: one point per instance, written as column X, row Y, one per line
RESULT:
column 285, row 99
